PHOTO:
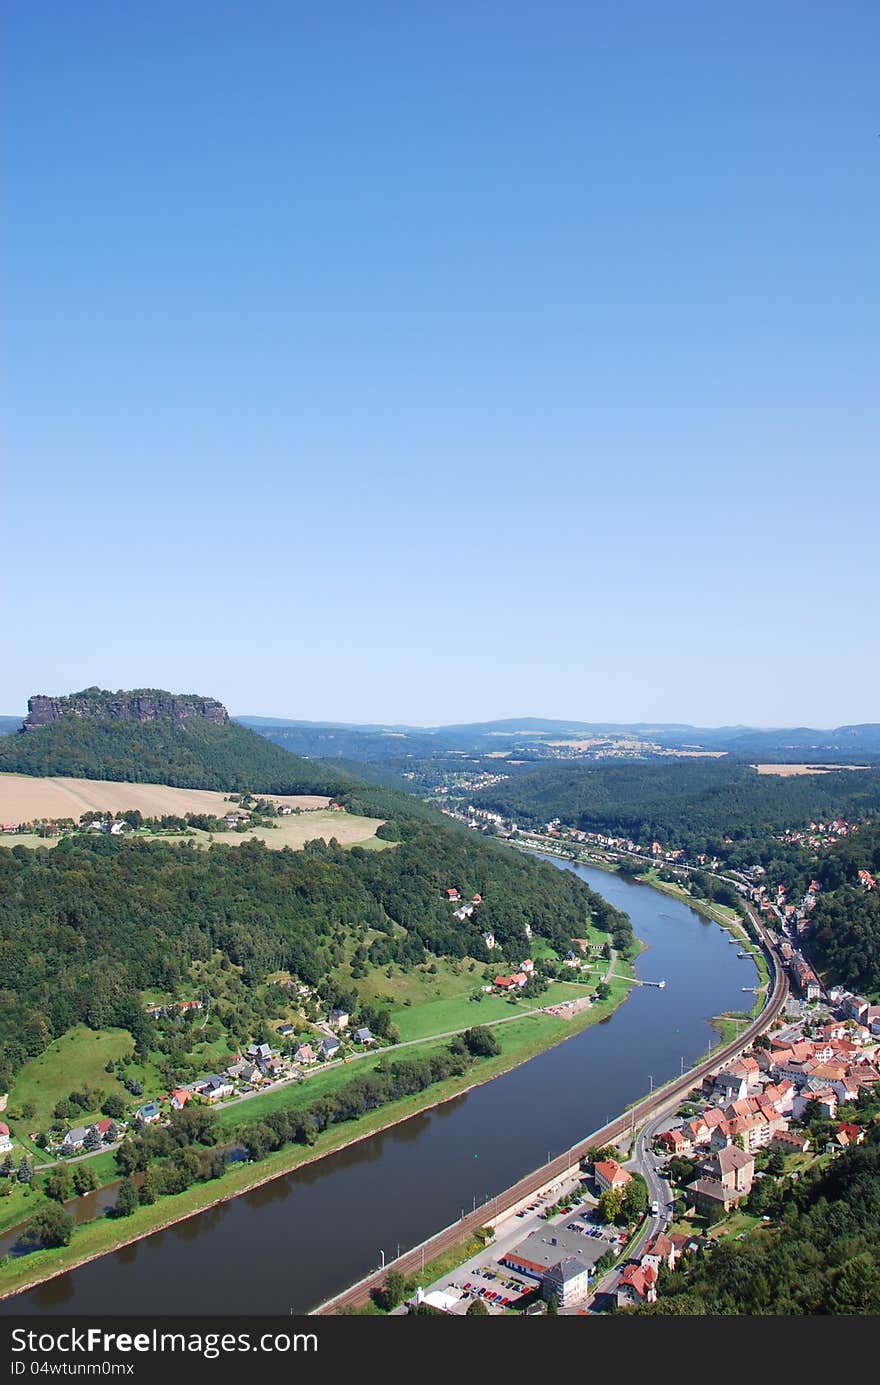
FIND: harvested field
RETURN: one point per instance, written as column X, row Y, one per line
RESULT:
column 787, row 771
column 24, row 797
column 295, row 831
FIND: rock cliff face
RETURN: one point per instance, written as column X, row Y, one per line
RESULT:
column 142, row 705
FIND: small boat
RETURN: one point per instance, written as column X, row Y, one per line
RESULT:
column 743, row 954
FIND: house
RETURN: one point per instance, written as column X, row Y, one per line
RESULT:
column 339, row 1018
column 489, row 940
column 328, row 1048
column 730, row 1085
column 825, row 1096
column 75, row 1138
column 149, row 1112
column 662, row 1250
column 186, row 1006
column 363, row 1036
column 675, row 1141
column 707, row 1194
column 727, row 1179
column 179, row 1097
column 568, row 1282
column 305, row 1054
column 452, row 894
column 527, row 966
column 478, row 899
column 608, row 1174
column 5, row 1138
column 261, row 1053
column 103, row 1127
column 117, row 828
column 215, row 1088
column 638, row 1285
column 285, row 1030
column 732, row 1167
column 849, row 1134
column 790, row 1142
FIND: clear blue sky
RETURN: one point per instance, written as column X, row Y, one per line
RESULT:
column 441, row 361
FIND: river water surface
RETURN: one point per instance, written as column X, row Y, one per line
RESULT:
column 292, row 1243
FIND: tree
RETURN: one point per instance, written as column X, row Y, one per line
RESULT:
column 392, row 1292
column 84, row 1180
column 603, row 990
column 611, row 1204
column 126, row 1199
column 481, row 1042
column 114, row 1106
column 52, row 1226
column 477, row 1309
column 59, row 1184
column 148, row 1191
column 552, row 1305
column 635, row 1199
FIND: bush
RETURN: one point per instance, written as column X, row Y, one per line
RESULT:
column 52, row 1226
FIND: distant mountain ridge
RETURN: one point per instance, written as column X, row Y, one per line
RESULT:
column 373, row 742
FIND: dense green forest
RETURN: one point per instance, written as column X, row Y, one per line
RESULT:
column 844, row 936
column 821, row 1256
column 195, row 755
column 692, row 804
column 87, row 925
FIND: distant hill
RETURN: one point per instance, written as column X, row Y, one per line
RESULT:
column 155, row 737
column 533, row 737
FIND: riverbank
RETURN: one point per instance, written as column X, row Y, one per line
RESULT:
column 520, row 1040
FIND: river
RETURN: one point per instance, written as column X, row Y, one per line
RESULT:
column 305, row 1236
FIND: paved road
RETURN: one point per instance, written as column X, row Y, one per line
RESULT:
column 658, row 1104
column 645, row 1162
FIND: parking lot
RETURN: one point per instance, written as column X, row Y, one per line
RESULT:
column 542, row 1240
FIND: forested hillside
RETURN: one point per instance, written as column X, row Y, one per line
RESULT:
column 823, row 1256
column 88, row 925
column 844, row 936
column 195, row 755
column 693, row 804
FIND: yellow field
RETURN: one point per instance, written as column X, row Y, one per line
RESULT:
column 786, row 771
column 295, row 831
column 23, row 797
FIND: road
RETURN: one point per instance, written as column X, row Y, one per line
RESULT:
column 644, row 1161
column 655, row 1106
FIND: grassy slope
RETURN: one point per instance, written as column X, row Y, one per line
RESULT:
column 70, row 1062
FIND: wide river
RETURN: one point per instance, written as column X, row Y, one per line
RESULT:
column 294, row 1242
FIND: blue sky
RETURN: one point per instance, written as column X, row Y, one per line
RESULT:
column 435, row 362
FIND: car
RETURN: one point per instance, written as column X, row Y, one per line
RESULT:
column 655, row 1208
